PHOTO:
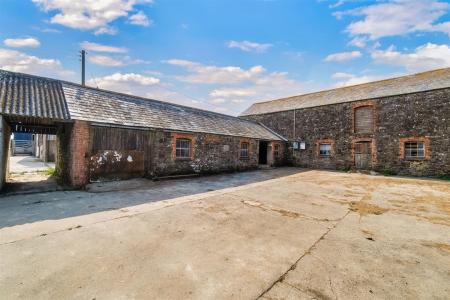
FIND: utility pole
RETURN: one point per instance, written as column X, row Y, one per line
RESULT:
column 83, row 67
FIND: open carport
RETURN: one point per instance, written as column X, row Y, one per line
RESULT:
column 275, row 234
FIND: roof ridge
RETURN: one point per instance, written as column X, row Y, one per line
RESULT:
column 353, row 86
column 119, row 93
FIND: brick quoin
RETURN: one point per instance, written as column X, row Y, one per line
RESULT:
column 79, row 150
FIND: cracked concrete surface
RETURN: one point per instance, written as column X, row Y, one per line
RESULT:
column 273, row 234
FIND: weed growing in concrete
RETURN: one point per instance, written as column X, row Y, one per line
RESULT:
column 50, row 171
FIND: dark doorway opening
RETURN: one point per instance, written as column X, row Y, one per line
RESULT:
column 262, row 157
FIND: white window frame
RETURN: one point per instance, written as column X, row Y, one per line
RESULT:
column 325, row 152
column 183, row 148
column 417, row 152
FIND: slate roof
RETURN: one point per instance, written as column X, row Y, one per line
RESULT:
column 31, row 96
column 28, row 95
column 435, row 79
column 102, row 106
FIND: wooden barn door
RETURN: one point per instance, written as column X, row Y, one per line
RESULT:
column 119, row 153
column 363, row 155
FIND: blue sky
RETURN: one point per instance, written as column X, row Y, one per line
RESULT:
column 223, row 55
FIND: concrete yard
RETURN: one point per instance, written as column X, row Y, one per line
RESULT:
column 27, row 163
column 284, row 233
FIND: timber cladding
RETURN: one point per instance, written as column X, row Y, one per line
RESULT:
column 118, row 153
column 118, row 138
column 387, row 123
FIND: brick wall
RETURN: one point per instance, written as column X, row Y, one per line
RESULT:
column 421, row 116
column 79, row 148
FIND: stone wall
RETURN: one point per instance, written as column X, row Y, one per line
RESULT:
column 87, row 152
column 421, row 116
column 209, row 154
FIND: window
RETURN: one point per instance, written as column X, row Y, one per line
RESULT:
column 363, row 119
column 183, row 148
column 244, row 150
column 276, row 150
column 324, row 149
column 414, row 150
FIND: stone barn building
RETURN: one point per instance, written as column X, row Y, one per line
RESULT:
column 103, row 135
column 399, row 125
column 395, row 126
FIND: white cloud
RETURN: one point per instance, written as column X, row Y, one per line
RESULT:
column 102, row 48
column 129, row 83
column 145, row 86
column 249, row 46
column 17, row 61
column 236, row 88
column 340, row 75
column 181, row 62
column 114, row 61
column 343, row 56
column 209, row 74
column 347, row 79
column 104, row 60
column 218, row 100
column 359, row 80
column 425, row 57
column 111, row 81
column 232, row 92
column 88, row 14
column 359, row 41
column 22, row 42
column 141, row 19
column 398, row 17
column 268, row 86
column 106, row 30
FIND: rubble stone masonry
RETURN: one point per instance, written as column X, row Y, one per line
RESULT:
column 422, row 117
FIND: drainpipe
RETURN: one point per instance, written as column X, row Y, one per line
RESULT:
column 293, row 138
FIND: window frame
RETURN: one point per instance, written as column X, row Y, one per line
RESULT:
column 424, row 140
column 329, row 151
column 244, row 153
column 364, row 104
column 276, row 151
column 188, row 148
column 416, row 149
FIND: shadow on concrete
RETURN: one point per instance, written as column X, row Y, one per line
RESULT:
column 29, row 208
column 17, row 187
